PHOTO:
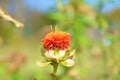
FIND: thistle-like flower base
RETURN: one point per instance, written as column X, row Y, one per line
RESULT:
column 56, row 57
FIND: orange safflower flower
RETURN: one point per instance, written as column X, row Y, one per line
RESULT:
column 56, row 40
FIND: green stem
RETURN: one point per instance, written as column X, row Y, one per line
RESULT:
column 53, row 74
column 55, row 66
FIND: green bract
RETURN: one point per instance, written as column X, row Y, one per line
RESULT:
column 66, row 57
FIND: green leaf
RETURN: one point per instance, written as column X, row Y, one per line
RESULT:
column 67, row 53
column 56, row 52
column 42, row 64
column 73, row 52
column 42, row 52
column 68, row 63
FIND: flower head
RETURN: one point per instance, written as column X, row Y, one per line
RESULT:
column 56, row 40
column 57, row 50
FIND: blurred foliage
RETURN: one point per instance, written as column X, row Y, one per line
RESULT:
column 94, row 34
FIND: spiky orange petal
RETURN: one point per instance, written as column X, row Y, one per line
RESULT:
column 56, row 40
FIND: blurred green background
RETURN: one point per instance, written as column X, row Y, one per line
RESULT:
column 95, row 34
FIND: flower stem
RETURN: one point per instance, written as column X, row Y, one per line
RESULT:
column 55, row 66
column 53, row 74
